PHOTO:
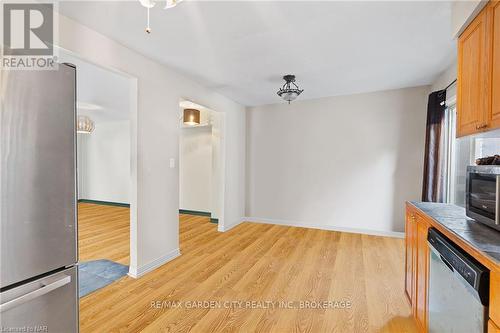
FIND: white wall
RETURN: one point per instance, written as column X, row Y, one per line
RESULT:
column 345, row 163
column 463, row 12
column 104, row 162
column 234, row 154
column 155, row 139
column 195, row 168
column 445, row 78
column 218, row 188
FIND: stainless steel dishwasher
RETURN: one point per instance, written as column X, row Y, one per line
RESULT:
column 458, row 288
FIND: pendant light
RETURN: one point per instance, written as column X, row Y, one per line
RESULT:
column 151, row 3
column 191, row 117
column 290, row 91
column 84, row 125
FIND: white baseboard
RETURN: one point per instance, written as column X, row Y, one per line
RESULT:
column 225, row 228
column 325, row 227
column 137, row 272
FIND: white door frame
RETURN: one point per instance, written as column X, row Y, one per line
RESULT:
column 133, row 150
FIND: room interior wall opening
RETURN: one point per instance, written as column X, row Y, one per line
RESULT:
column 200, row 165
column 106, row 186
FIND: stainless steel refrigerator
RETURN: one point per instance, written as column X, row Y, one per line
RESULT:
column 38, row 267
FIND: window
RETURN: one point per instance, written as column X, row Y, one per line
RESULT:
column 449, row 152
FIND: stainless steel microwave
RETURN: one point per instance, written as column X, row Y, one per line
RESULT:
column 482, row 201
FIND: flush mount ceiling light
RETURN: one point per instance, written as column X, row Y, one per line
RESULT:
column 84, row 125
column 151, row 3
column 191, row 117
column 290, row 90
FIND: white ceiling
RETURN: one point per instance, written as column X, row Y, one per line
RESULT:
column 101, row 94
column 243, row 48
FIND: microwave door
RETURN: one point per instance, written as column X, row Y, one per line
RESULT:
column 482, row 200
column 482, row 197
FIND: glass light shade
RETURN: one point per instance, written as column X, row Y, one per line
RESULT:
column 191, row 117
column 84, row 125
column 172, row 3
column 148, row 3
column 289, row 96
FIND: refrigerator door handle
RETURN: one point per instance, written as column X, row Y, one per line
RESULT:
column 45, row 289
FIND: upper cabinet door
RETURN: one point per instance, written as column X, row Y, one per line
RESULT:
column 495, row 62
column 473, row 76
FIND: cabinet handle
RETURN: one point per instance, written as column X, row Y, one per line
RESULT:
column 484, row 125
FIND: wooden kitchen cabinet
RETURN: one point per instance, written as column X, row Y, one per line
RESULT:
column 494, row 9
column 417, row 267
column 410, row 230
column 492, row 327
column 417, row 263
column 422, row 273
column 478, row 74
column 473, row 76
column 495, row 297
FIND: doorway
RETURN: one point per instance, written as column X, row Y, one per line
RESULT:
column 200, row 164
column 105, row 172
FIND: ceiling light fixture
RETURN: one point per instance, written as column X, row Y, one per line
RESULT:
column 171, row 3
column 151, row 3
column 191, row 117
column 290, row 90
column 84, row 125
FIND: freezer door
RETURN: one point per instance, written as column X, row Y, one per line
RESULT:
column 49, row 304
column 37, row 178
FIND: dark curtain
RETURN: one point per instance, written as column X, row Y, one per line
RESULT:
column 432, row 188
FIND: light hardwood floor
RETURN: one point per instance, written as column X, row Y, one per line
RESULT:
column 103, row 233
column 252, row 262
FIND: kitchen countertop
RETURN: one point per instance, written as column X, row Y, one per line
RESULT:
column 475, row 234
